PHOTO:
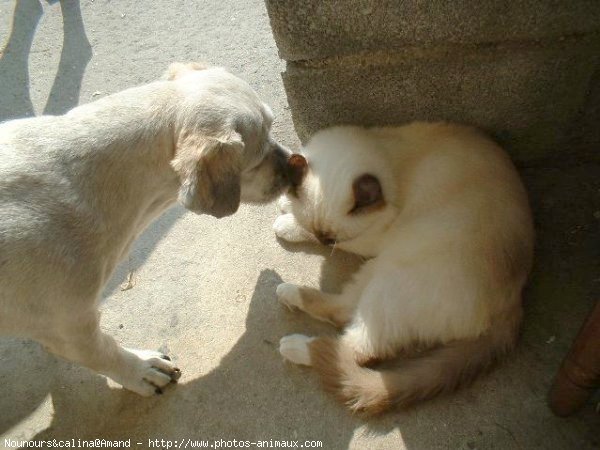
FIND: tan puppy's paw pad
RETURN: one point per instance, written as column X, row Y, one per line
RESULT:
column 294, row 348
column 288, row 294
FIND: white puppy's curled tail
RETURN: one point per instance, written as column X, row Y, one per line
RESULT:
column 441, row 369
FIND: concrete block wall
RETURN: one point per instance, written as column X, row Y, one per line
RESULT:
column 527, row 71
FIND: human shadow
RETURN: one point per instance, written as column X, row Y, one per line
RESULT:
column 75, row 55
column 14, row 72
column 15, row 100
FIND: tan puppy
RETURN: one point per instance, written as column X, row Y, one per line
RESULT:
column 76, row 190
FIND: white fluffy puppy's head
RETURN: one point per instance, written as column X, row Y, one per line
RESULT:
column 224, row 151
column 341, row 186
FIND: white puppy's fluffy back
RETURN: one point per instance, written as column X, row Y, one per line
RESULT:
column 452, row 248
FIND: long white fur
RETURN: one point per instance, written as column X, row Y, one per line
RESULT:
column 451, row 248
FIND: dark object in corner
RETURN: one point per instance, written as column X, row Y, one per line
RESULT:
column 579, row 373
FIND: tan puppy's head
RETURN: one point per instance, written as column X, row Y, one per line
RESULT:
column 224, row 151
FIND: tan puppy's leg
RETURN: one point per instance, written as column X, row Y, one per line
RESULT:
column 336, row 309
column 142, row 371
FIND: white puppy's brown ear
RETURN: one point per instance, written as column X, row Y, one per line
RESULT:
column 209, row 169
column 296, row 168
column 368, row 194
column 177, row 70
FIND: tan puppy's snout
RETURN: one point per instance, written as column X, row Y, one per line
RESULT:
column 281, row 155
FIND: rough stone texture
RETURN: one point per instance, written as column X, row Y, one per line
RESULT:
column 204, row 289
column 312, row 29
column 526, row 71
column 584, row 136
column 529, row 97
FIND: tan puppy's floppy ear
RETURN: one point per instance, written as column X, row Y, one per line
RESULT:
column 177, row 70
column 209, row 169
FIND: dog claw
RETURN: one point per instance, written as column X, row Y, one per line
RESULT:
column 176, row 375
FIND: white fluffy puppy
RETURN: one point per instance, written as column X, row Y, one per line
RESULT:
column 77, row 189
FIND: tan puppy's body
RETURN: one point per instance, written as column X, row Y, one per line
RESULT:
column 76, row 190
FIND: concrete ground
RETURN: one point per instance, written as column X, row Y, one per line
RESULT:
column 203, row 289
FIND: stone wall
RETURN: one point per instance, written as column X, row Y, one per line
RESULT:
column 527, row 71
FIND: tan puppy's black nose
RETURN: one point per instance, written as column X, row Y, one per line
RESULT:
column 281, row 155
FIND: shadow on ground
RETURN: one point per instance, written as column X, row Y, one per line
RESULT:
column 14, row 67
column 14, row 72
column 245, row 397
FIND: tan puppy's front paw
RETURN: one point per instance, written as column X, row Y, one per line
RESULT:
column 146, row 372
column 294, row 348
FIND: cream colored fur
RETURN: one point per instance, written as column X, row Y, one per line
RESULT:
column 76, row 190
column 451, row 247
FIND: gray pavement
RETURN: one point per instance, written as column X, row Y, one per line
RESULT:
column 204, row 289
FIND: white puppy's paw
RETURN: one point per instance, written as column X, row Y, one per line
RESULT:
column 286, row 228
column 288, row 294
column 284, row 205
column 294, row 348
column 146, row 372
